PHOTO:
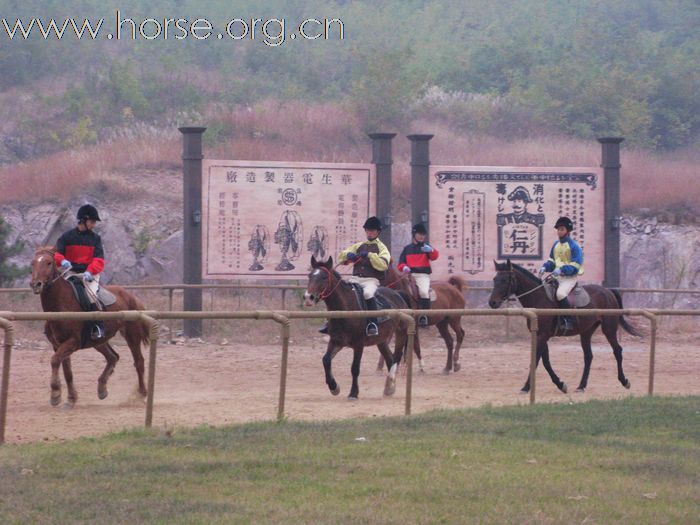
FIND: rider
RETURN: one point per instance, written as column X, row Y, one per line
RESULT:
column 370, row 259
column 415, row 258
column 80, row 250
column 565, row 264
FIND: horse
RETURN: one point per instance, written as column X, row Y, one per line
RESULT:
column 65, row 336
column 512, row 279
column 325, row 284
column 450, row 296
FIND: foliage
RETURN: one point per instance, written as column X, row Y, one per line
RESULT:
column 8, row 271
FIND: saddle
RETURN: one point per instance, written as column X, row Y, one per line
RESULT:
column 578, row 297
column 382, row 303
column 104, row 297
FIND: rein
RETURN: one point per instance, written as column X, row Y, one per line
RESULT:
column 510, row 283
column 325, row 294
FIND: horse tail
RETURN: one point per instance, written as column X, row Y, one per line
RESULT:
column 458, row 282
column 630, row 329
column 144, row 332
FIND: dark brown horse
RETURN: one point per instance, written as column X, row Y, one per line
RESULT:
column 450, row 296
column 512, row 279
column 325, row 284
column 65, row 336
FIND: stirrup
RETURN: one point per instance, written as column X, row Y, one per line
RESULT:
column 323, row 329
column 97, row 333
column 423, row 320
column 372, row 329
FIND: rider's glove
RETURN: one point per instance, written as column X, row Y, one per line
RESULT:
column 556, row 272
column 363, row 255
column 541, row 271
column 426, row 248
column 406, row 269
column 66, row 265
column 351, row 256
column 88, row 276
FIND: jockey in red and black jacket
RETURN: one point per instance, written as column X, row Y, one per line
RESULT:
column 416, row 259
column 81, row 246
column 83, row 249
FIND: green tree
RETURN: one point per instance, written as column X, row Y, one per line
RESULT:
column 9, row 272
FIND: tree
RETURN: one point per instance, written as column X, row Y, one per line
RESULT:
column 9, row 272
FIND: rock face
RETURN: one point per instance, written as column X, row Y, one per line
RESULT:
column 143, row 244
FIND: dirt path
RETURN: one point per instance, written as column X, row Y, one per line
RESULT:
column 204, row 383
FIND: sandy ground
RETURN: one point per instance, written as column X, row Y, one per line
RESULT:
column 208, row 383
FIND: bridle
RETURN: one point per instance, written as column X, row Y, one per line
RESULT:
column 328, row 289
column 58, row 276
column 512, row 282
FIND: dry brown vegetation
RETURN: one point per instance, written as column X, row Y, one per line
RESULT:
column 331, row 133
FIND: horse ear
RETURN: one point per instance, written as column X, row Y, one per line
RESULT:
column 313, row 262
column 510, row 264
column 495, row 264
column 329, row 263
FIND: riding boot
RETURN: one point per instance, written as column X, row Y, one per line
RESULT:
column 324, row 328
column 372, row 324
column 567, row 322
column 423, row 304
column 98, row 327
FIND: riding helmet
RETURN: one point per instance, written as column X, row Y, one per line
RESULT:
column 88, row 212
column 373, row 223
column 566, row 222
column 419, row 228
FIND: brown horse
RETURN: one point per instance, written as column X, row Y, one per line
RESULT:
column 512, row 279
column 65, row 336
column 325, row 284
column 450, row 296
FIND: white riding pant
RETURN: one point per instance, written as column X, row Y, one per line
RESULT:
column 566, row 284
column 369, row 285
column 423, row 283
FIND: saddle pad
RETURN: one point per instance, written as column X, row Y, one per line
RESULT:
column 106, row 297
column 433, row 296
column 80, row 293
column 578, row 297
column 382, row 304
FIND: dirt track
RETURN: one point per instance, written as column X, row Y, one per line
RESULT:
column 204, row 383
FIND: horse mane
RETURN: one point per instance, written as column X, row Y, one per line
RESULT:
column 45, row 249
column 526, row 273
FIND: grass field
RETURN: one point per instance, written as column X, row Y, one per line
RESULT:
column 630, row 461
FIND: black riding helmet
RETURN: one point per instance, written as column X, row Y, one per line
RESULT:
column 566, row 222
column 419, row 228
column 88, row 212
column 373, row 223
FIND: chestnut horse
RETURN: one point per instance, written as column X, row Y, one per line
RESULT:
column 325, row 284
column 512, row 279
column 450, row 296
column 65, row 336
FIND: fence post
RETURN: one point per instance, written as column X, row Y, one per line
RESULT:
column 652, row 355
column 7, row 354
column 192, row 224
column 420, row 170
column 611, row 173
column 171, row 322
column 382, row 159
column 284, row 328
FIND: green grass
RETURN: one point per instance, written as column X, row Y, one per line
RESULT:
column 635, row 460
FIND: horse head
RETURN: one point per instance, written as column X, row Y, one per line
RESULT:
column 43, row 269
column 505, row 283
column 320, row 281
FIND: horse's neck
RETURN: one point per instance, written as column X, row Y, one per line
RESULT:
column 531, row 300
column 342, row 298
column 58, row 297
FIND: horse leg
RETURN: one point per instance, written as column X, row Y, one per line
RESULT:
column 445, row 333
column 548, row 366
column 355, row 370
column 380, row 365
column 132, row 333
column 61, row 353
column 68, row 374
column 331, row 350
column 111, row 357
column 587, row 358
column 390, row 385
column 456, row 324
column 610, row 332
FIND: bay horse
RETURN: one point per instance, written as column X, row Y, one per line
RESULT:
column 325, row 284
column 512, row 279
column 449, row 296
column 65, row 336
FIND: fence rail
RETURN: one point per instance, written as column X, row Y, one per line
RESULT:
column 284, row 319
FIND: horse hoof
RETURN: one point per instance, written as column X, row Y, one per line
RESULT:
column 563, row 388
column 55, row 401
column 421, row 370
column 627, row 384
column 390, row 387
column 580, row 390
column 68, row 405
column 101, row 393
column 352, row 398
column 457, row 367
column 335, row 391
column 524, row 391
column 445, row 371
